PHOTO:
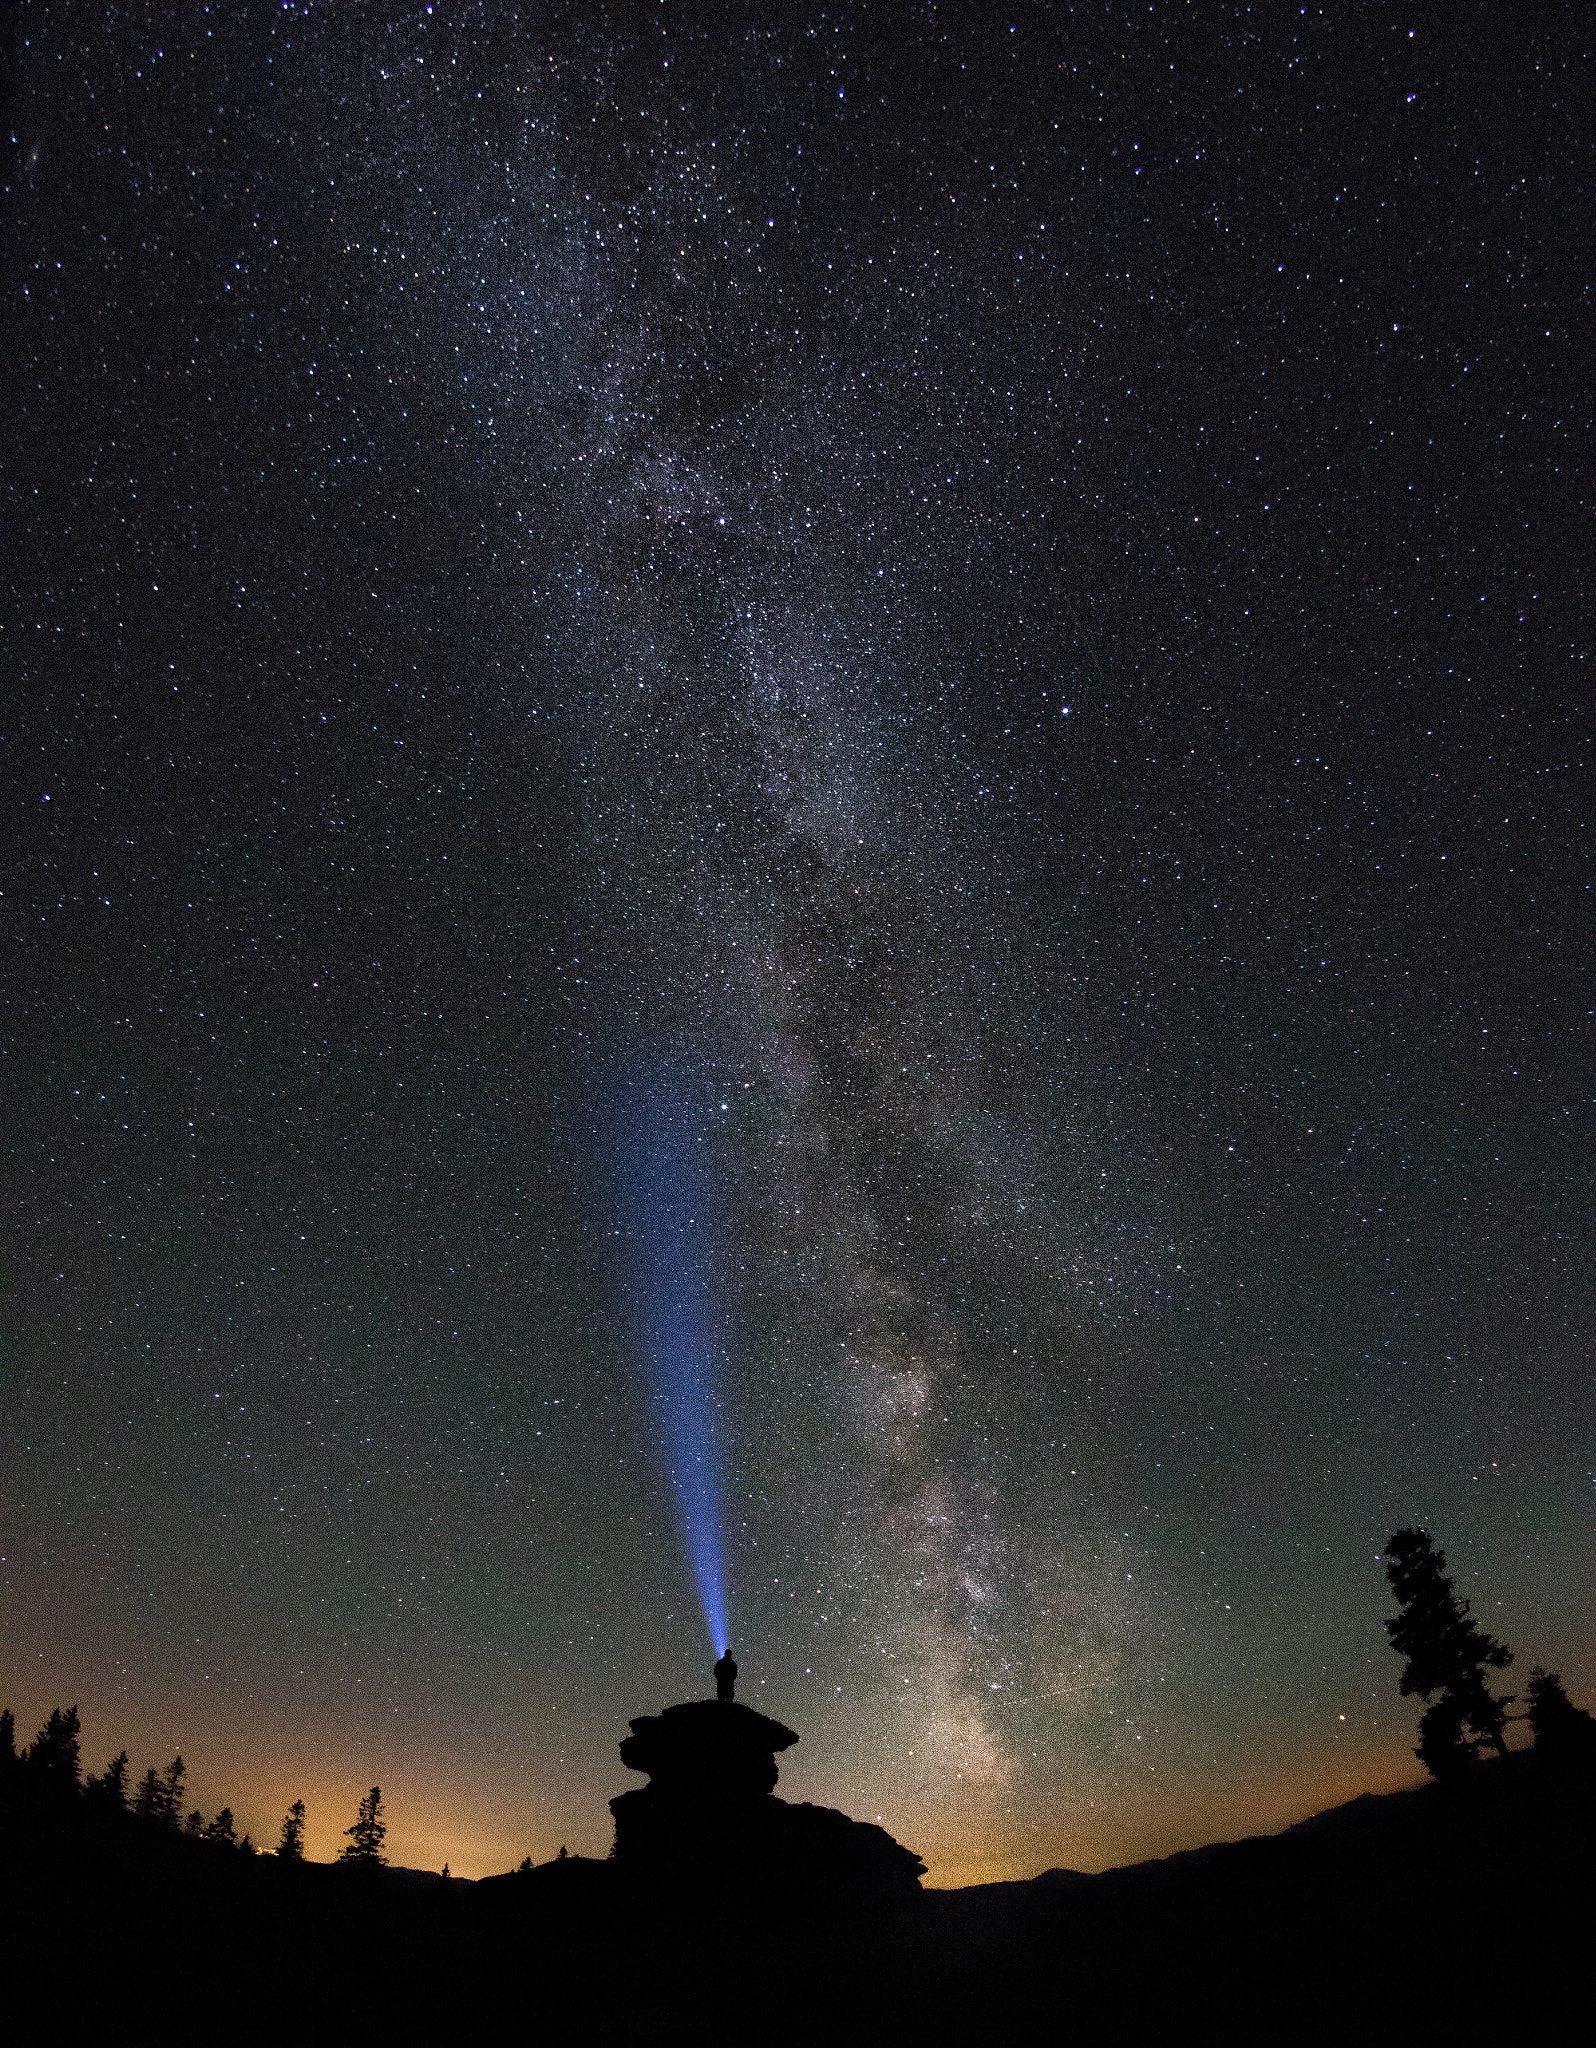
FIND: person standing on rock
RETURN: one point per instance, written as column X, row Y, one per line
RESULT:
column 726, row 1677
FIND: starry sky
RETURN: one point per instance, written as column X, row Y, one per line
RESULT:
column 794, row 787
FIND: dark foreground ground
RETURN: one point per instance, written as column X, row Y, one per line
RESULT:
column 1428, row 1915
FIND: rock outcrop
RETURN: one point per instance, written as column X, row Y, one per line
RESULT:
column 709, row 1824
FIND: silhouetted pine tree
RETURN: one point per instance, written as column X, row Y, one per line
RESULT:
column 149, row 1802
column 1446, row 1654
column 292, row 1846
column 221, row 1829
column 8, row 1739
column 1564, row 1733
column 195, row 1824
column 110, row 1789
column 54, row 1753
column 160, row 1794
column 1442, row 1749
column 367, row 1835
column 172, row 1791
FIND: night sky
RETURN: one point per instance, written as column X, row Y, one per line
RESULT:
column 796, row 788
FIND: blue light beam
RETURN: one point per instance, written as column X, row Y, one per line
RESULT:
column 666, row 1192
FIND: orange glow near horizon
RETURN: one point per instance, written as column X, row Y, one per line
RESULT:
column 1135, row 1826
column 479, row 1822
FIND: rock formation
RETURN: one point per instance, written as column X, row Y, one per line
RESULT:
column 708, row 1822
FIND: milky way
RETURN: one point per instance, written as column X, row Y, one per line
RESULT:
column 793, row 891
column 970, row 629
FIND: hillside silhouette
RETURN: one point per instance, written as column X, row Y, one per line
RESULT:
column 725, row 1909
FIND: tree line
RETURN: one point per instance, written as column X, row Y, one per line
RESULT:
column 53, row 1762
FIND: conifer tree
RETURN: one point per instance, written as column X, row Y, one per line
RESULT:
column 1447, row 1655
column 292, row 1846
column 367, row 1835
column 1564, row 1733
column 110, row 1788
column 8, row 1738
column 172, row 1791
column 149, row 1800
column 160, row 1794
column 195, row 1824
column 55, row 1748
column 221, row 1829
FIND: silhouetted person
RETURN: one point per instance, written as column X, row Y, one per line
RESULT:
column 726, row 1677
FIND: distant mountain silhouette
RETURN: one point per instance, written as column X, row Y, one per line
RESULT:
column 1400, row 1918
